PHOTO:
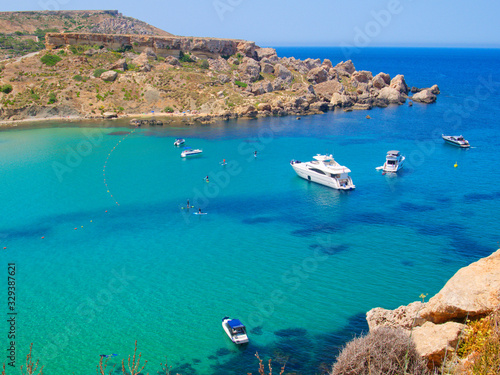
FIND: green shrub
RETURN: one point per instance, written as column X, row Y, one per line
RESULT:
column 241, row 84
column 124, row 48
column 52, row 98
column 185, row 57
column 50, row 60
column 168, row 110
column 7, row 89
column 98, row 72
column 78, row 78
column 204, row 64
column 384, row 351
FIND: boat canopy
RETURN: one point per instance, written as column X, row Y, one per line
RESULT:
column 393, row 153
column 235, row 323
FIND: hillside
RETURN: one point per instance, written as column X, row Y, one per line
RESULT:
column 24, row 32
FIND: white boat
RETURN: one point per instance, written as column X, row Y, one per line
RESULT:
column 456, row 140
column 190, row 152
column 394, row 161
column 324, row 170
column 235, row 330
column 179, row 141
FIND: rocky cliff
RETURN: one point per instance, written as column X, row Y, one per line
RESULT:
column 472, row 293
column 161, row 45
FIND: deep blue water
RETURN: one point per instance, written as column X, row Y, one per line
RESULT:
column 122, row 260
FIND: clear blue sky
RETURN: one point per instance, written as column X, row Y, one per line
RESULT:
column 441, row 23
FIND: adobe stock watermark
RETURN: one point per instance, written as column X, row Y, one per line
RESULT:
column 220, row 179
column 75, row 155
column 86, row 310
column 380, row 20
column 292, row 279
column 52, row 5
column 223, row 6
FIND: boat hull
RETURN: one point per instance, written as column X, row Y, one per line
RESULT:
column 455, row 143
column 237, row 339
column 393, row 168
column 332, row 182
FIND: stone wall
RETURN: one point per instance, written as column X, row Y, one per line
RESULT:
column 162, row 45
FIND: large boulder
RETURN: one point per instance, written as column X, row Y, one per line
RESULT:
column 219, row 64
column 265, row 53
column 391, row 95
column 266, row 68
column 435, row 89
column 312, row 63
column 435, row 341
column 171, row 60
column 362, row 76
column 399, row 84
column 341, row 100
column 473, row 292
column 406, row 317
column 261, row 107
column 281, row 72
column 326, row 89
column 424, row 96
column 109, row 76
column 250, row 68
column 261, row 88
column 119, row 65
column 319, row 107
column 347, row 67
column 317, row 75
column 381, row 80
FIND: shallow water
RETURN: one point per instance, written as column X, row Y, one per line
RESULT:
column 300, row 264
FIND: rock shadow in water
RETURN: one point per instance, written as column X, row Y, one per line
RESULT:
column 412, row 207
column 119, row 133
column 330, row 250
column 477, row 197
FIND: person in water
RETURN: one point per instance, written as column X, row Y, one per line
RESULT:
column 206, row 179
column 188, row 204
column 255, row 153
column 199, row 210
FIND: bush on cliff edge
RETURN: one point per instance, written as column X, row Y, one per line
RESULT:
column 386, row 351
column 50, row 60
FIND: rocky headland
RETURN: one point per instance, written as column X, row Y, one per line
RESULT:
column 92, row 75
column 437, row 325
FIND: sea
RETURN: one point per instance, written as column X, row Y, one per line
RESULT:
column 105, row 258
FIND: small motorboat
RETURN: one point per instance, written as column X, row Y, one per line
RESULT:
column 179, row 141
column 456, row 140
column 393, row 162
column 190, row 152
column 235, row 330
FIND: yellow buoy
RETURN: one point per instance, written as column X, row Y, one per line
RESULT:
column 456, row 165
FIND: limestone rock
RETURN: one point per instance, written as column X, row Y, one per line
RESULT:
column 250, row 68
column 434, row 341
column 264, row 107
column 327, row 63
column 247, row 49
column 219, row 64
column 341, row 100
column 318, row 75
column 223, row 78
column 265, row 53
column 381, row 80
column 266, row 68
column 281, row 72
column 109, row 76
column 319, row 107
column 119, row 65
column 474, row 291
column 171, row 60
column 145, row 68
column 415, row 89
column 392, row 95
column 312, row 63
column 424, row 96
column 399, row 84
column 326, row 89
column 150, row 53
column 109, row 115
column 435, row 89
column 346, row 66
column 405, row 317
column 279, row 84
column 362, row 76
column 261, row 88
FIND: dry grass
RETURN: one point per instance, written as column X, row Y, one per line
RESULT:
column 384, row 351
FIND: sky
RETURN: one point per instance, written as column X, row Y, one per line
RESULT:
column 275, row 23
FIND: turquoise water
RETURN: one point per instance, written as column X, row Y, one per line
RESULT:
column 299, row 263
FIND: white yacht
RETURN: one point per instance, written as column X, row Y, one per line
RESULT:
column 189, row 152
column 235, row 330
column 179, row 141
column 394, row 161
column 456, row 140
column 324, row 170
